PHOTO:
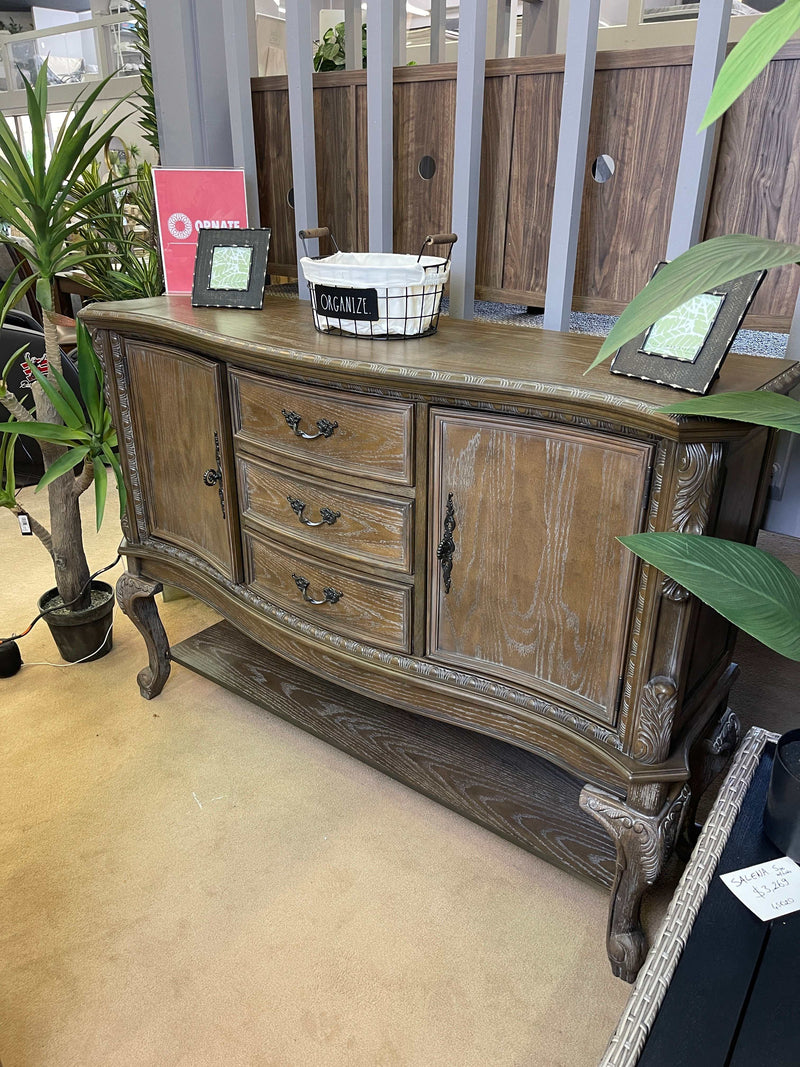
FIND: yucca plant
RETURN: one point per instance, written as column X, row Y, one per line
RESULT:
column 40, row 203
column 750, row 588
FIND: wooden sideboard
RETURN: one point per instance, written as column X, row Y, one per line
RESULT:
column 430, row 527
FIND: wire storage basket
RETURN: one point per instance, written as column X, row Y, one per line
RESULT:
column 376, row 294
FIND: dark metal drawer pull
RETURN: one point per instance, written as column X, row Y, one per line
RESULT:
column 329, row 596
column 324, row 426
column 447, row 546
column 329, row 517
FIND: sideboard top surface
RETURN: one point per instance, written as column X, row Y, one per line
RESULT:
column 498, row 363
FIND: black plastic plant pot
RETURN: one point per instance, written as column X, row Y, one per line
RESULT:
column 81, row 635
column 782, row 814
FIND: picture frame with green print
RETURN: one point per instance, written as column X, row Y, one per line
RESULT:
column 230, row 268
column 685, row 348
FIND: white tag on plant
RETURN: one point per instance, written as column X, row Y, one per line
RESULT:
column 768, row 889
column 25, row 524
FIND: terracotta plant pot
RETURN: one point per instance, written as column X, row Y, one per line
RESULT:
column 81, row 635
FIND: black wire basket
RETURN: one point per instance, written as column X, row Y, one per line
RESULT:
column 381, row 295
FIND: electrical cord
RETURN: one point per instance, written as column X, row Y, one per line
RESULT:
column 57, row 607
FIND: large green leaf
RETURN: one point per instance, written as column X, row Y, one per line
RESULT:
column 697, row 270
column 758, row 407
column 8, row 486
column 47, row 431
column 752, row 589
column 63, row 465
column 100, row 488
column 62, row 406
column 751, row 55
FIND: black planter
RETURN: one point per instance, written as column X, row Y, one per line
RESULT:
column 82, row 635
column 782, row 813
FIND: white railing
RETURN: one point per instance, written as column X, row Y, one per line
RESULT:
column 77, row 52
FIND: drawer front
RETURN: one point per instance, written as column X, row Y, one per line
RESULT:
column 368, row 609
column 364, row 527
column 337, row 431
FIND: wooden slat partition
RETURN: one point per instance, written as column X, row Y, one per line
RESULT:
column 637, row 118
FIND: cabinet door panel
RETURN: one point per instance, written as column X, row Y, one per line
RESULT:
column 540, row 585
column 180, row 434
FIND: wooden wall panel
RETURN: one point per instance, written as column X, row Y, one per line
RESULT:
column 637, row 119
column 498, row 129
column 362, row 187
column 757, row 181
column 337, row 172
column 424, row 125
column 537, row 114
column 274, row 160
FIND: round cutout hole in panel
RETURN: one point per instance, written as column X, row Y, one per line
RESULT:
column 426, row 168
column 290, row 197
column 603, row 168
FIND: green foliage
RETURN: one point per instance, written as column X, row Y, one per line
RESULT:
column 8, row 484
column 329, row 53
column 146, row 104
column 697, row 270
column 37, row 199
column 758, row 407
column 85, row 431
column 751, row 55
column 749, row 587
column 118, row 232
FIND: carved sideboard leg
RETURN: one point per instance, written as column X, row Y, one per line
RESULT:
column 643, row 841
column 707, row 760
column 136, row 598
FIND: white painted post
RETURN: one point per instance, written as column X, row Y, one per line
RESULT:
column 502, row 16
column 467, row 154
column 399, row 42
column 380, row 160
column 576, row 110
column 235, row 20
column 696, row 148
column 352, row 35
column 438, row 27
column 301, row 125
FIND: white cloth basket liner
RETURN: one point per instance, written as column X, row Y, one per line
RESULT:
column 408, row 295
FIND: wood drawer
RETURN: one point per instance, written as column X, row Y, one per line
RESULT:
column 368, row 609
column 363, row 527
column 348, row 434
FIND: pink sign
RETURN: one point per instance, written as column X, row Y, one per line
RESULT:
column 188, row 201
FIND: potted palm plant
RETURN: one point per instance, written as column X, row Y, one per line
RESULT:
column 42, row 201
column 749, row 587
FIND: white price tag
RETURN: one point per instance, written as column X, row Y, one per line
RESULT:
column 768, row 889
column 25, row 524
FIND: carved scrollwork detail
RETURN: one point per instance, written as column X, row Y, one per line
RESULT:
column 726, row 736
column 658, row 703
column 127, row 444
column 643, row 843
column 419, row 667
column 698, row 469
column 673, row 591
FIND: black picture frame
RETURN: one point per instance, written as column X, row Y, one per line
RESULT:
column 212, row 249
column 694, row 374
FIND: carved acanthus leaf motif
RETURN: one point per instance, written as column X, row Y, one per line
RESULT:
column 698, row 468
column 658, row 703
column 643, row 841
